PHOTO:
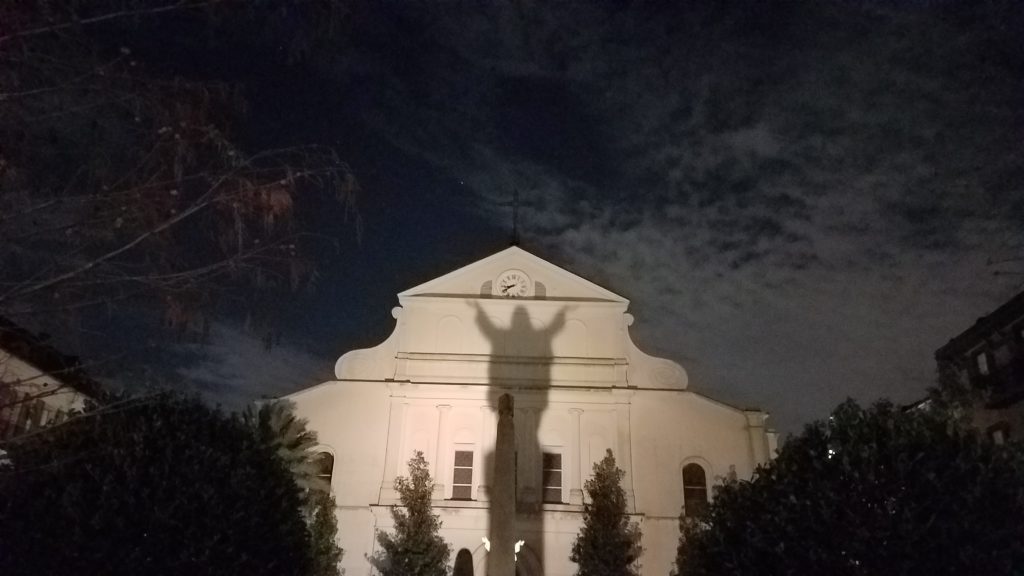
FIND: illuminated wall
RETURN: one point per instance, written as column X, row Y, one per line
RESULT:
column 31, row 398
column 561, row 347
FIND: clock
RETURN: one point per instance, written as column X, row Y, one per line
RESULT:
column 512, row 284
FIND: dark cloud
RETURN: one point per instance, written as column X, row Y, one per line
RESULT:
column 799, row 198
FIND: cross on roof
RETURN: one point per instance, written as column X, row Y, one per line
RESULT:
column 515, row 216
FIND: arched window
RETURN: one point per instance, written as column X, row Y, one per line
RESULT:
column 695, row 491
column 324, row 467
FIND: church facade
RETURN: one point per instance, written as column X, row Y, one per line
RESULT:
column 559, row 345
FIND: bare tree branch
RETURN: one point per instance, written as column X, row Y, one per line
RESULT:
column 184, row 4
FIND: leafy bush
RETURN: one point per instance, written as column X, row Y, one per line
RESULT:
column 608, row 543
column 871, row 491
column 165, row 485
column 416, row 548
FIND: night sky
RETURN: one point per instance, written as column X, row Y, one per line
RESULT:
column 801, row 199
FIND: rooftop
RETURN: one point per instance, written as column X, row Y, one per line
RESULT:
column 984, row 327
column 32, row 348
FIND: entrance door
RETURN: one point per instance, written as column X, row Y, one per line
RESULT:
column 463, row 563
column 527, row 563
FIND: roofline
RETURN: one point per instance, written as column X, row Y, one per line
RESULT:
column 550, row 302
column 64, row 368
column 974, row 335
column 611, row 296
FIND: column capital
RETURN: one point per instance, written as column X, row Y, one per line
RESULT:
column 575, row 411
column 576, row 497
column 444, row 407
column 755, row 418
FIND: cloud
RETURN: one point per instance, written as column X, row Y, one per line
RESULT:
column 801, row 199
column 236, row 369
column 795, row 342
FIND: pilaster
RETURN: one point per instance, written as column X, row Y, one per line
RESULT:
column 574, row 456
column 442, row 470
column 624, row 457
column 396, row 421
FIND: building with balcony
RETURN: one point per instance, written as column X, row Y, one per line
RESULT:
column 989, row 357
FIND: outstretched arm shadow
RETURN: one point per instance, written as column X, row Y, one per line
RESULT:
column 486, row 326
column 556, row 325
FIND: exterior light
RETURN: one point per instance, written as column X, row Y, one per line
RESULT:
column 519, row 546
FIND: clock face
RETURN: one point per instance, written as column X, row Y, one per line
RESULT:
column 512, row 284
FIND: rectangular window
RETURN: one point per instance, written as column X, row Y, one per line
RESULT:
column 998, row 438
column 999, row 433
column 462, row 477
column 552, row 477
column 981, row 360
column 35, row 414
column 24, row 418
column 49, row 413
column 7, row 403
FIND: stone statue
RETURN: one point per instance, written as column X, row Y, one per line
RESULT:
column 501, row 560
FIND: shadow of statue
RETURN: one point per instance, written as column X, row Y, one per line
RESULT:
column 519, row 377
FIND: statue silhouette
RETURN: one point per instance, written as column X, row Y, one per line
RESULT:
column 519, row 371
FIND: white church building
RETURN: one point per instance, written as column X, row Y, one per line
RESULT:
column 559, row 344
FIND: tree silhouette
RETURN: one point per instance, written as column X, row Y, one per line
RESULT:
column 323, row 532
column 276, row 426
column 160, row 486
column 608, row 543
column 125, row 188
column 416, row 548
column 871, row 491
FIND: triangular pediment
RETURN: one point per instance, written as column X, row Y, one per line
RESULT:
column 543, row 280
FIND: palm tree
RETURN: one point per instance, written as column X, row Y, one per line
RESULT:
column 276, row 426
